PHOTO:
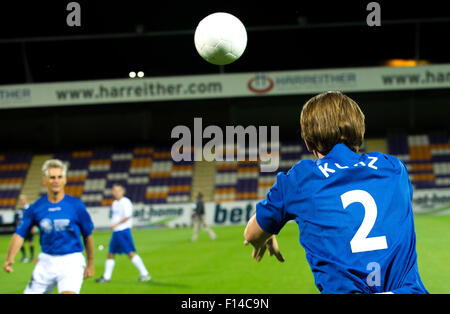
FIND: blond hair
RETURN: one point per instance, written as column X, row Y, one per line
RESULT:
column 54, row 163
column 331, row 118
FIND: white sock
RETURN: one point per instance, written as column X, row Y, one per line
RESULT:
column 109, row 266
column 137, row 261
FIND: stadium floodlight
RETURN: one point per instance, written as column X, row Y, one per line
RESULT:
column 132, row 74
column 140, row 74
column 405, row 62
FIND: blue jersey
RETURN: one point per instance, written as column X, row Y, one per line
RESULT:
column 60, row 224
column 355, row 218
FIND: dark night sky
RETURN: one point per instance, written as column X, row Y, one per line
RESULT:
column 314, row 34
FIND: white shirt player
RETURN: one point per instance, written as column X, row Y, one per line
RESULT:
column 121, row 209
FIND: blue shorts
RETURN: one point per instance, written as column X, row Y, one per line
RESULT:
column 121, row 242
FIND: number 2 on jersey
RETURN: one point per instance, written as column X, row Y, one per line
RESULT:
column 360, row 241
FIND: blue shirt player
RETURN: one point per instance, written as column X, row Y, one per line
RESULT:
column 62, row 221
column 353, row 210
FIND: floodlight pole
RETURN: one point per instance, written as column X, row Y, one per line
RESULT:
column 26, row 65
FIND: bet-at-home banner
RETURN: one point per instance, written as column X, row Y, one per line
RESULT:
column 432, row 202
column 425, row 202
column 180, row 215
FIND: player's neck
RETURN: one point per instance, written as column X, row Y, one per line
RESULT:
column 55, row 197
column 317, row 154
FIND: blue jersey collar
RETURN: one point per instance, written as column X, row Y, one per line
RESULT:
column 339, row 153
column 46, row 198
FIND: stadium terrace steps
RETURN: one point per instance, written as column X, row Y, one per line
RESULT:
column 32, row 186
column 203, row 180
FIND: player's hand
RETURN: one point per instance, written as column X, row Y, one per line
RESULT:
column 271, row 244
column 89, row 271
column 7, row 267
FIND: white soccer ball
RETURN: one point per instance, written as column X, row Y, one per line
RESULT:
column 220, row 38
column 101, row 247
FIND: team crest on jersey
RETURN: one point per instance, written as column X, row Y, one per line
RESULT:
column 46, row 225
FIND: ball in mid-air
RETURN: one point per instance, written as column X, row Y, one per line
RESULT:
column 220, row 38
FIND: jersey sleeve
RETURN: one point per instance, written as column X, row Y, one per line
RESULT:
column 84, row 221
column 270, row 212
column 25, row 224
column 405, row 170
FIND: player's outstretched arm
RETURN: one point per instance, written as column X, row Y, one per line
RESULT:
column 261, row 241
column 120, row 222
column 89, row 245
column 14, row 247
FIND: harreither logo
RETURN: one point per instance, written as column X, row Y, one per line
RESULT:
column 260, row 84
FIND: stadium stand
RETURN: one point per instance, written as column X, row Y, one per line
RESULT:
column 152, row 177
column 13, row 169
column 149, row 175
column 427, row 158
column 244, row 180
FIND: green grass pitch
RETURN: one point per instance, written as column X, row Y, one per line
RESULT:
column 225, row 266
